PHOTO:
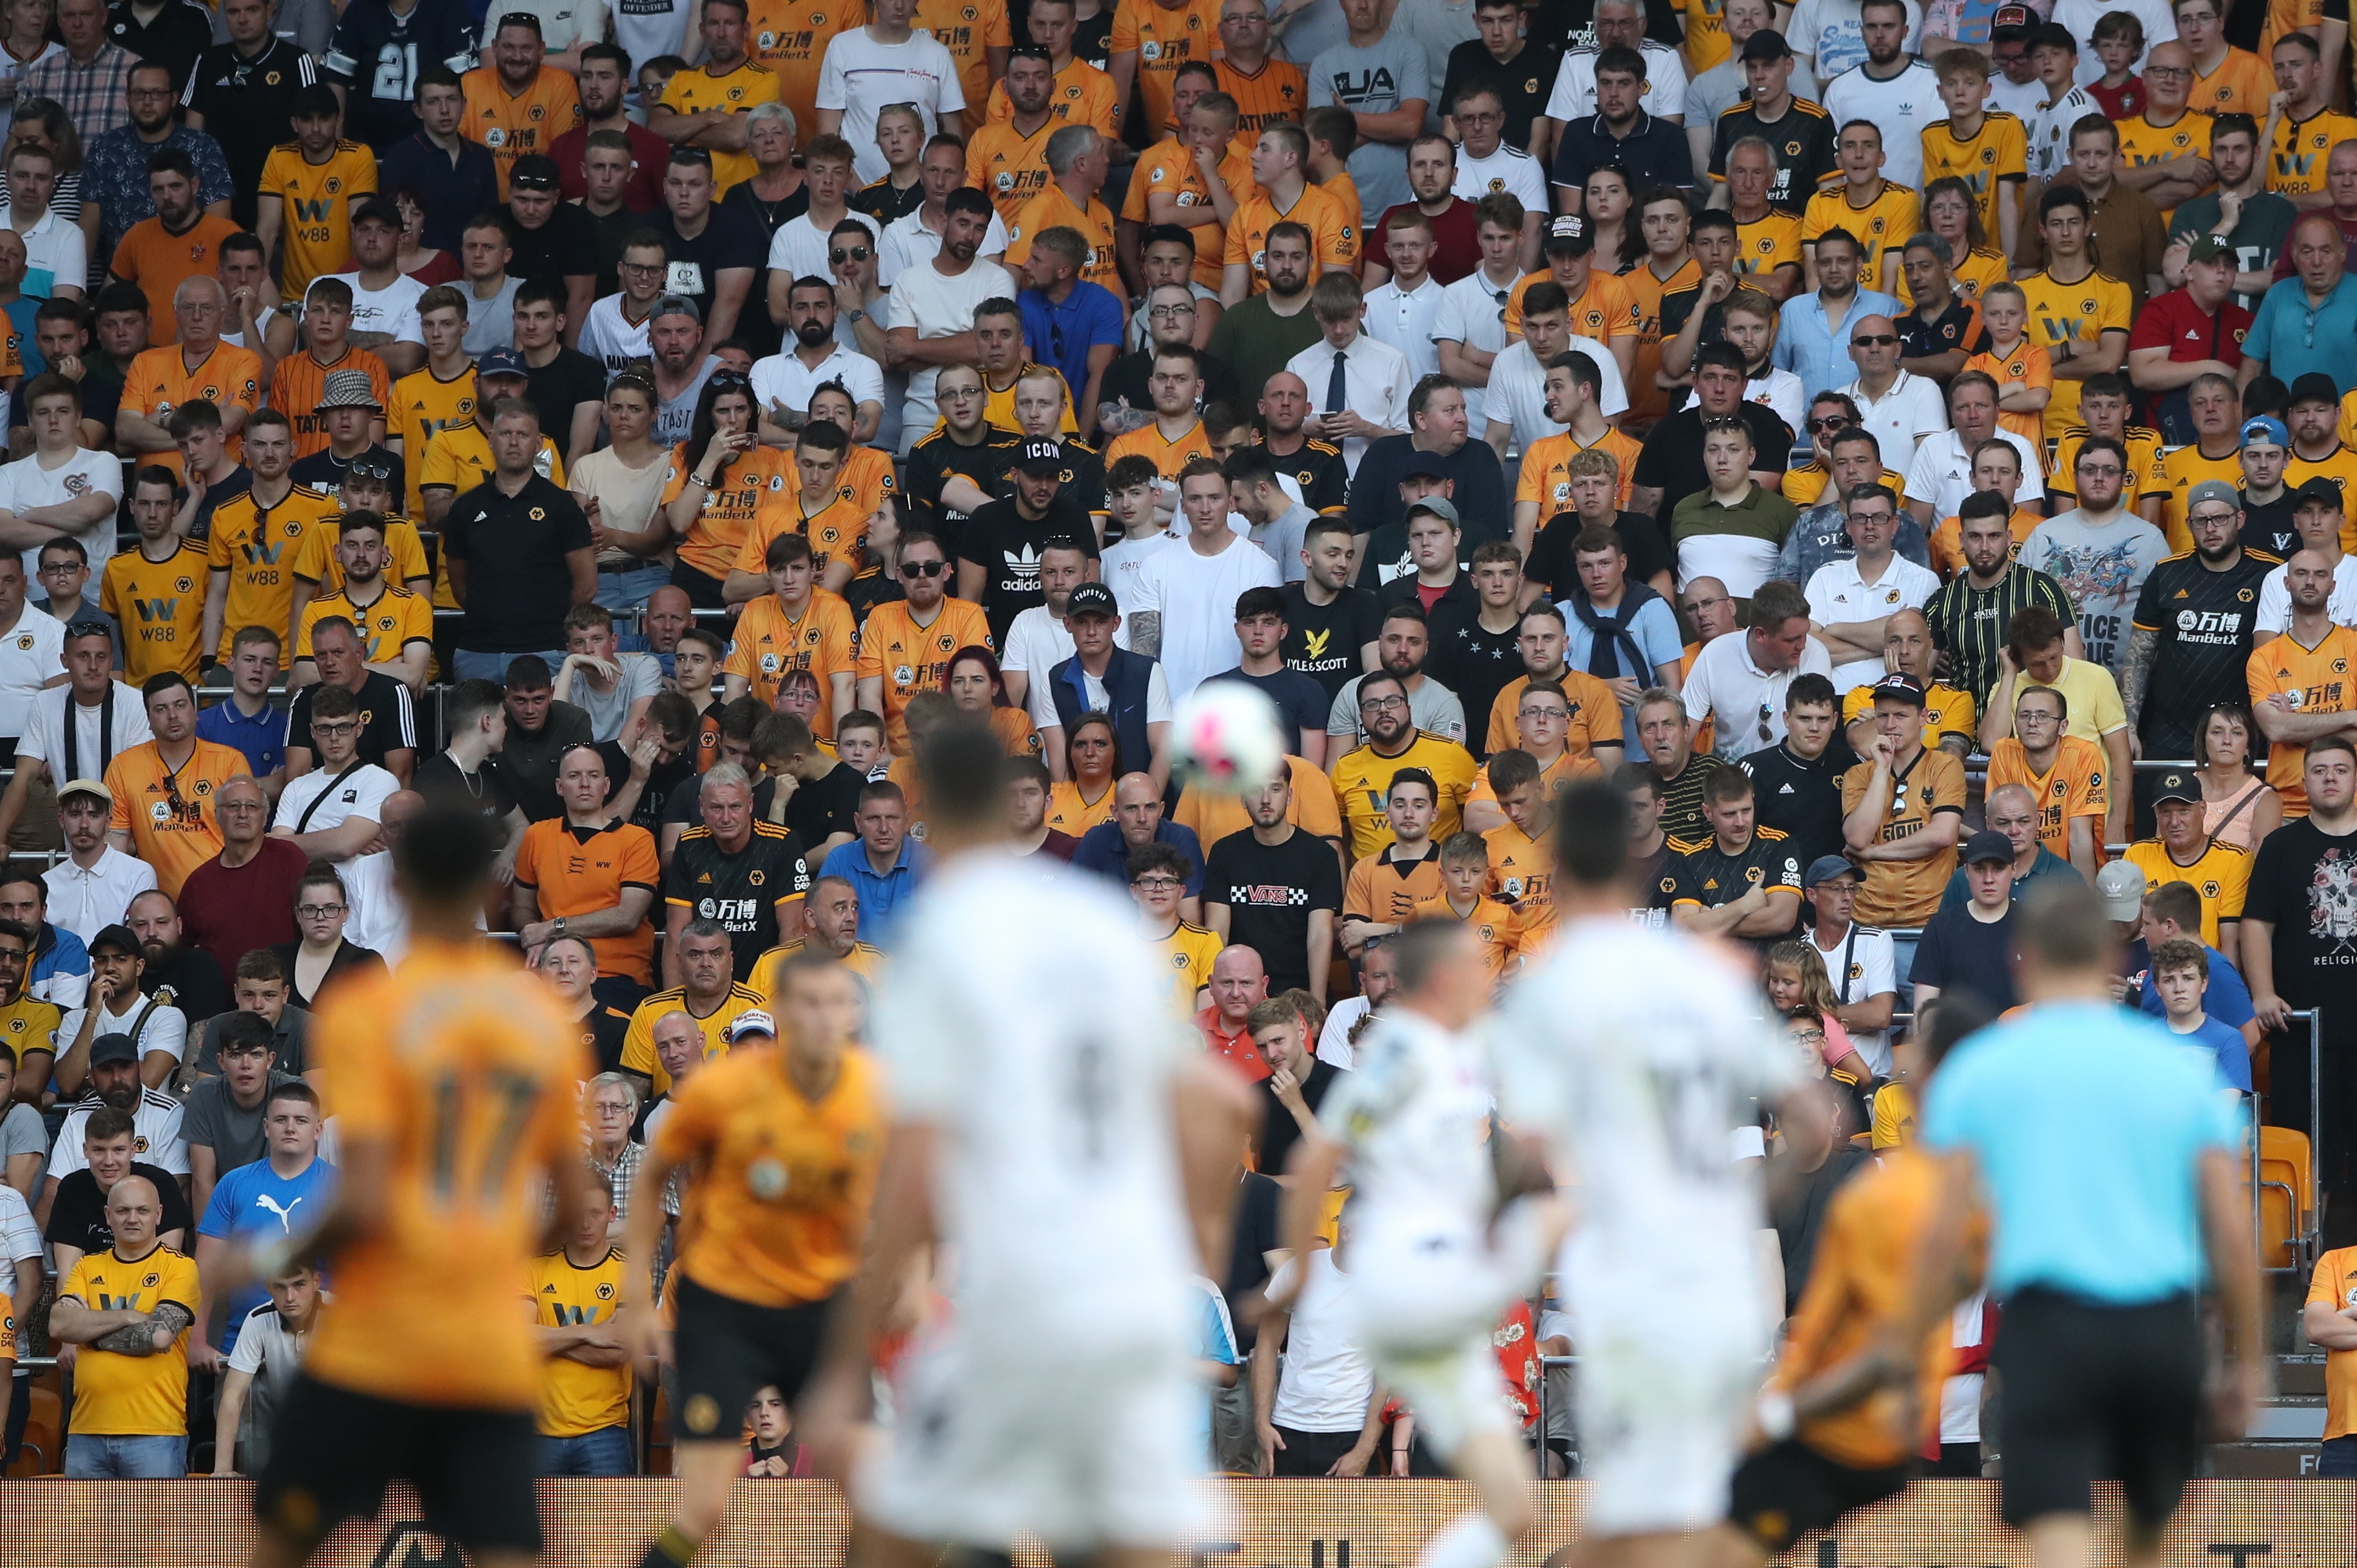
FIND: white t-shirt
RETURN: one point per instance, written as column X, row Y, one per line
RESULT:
column 1636, row 1053
column 1196, row 596
column 19, row 1237
column 861, row 76
column 783, row 378
column 378, row 919
column 1036, row 643
column 2022, row 99
column 391, row 309
column 1902, row 106
column 155, row 1134
column 1404, row 319
column 1509, row 169
column 31, row 652
column 1042, row 700
column 1517, row 394
column 1067, row 1220
column 26, row 484
column 1942, row 473
column 1334, row 1041
column 1573, row 97
column 46, row 742
column 2274, row 617
column 1838, row 595
column 647, row 28
column 360, row 793
column 1862, row 966
column 908, row 243
column 1827, row 33
column 1472, row 312
column 939, row 306
column 608, row 336
column 54, row 254
column 1327, row 1379
column 1725, row 682
column 1779, row 391
column 1118, row 567
column 799, row 248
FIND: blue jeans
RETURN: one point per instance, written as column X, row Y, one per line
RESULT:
column 92, row 1458
column 606, row 1451
column 622, row 592
column 472, row 665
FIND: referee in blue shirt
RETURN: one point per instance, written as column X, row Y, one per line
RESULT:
column 2106, row 1161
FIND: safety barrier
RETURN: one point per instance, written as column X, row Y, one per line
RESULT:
column 1262, row 1524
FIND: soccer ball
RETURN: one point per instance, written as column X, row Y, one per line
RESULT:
column 1227, row 737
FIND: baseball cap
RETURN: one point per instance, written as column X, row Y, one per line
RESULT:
column 1439, row 506
column 2212, row 490
column 2009, row 21
column 2209, row 248
column 2314, row 387
column 1423, row 466
column 2177, row 785
column 677, row 305
column 752, row 1021
column 2120, row 885
column 348, row 389
column 1040, row 457
column 114, row 1048
column 1092, row 599
column 2317, row 491
column 117, row 937
column 1899, row 687
column 1987, row 845
column 1824, row 868
column 533, row 171
column 377, row 210
column 1568, row 235
column 2050, row 35
column 2266, row 427
column 501, row 362
column 86, row 787
column 1767, row 44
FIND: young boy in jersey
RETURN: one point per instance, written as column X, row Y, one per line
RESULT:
column 1989, row 151
column 2180, row 972
column 1157, row 881
column 1464, row 874
column 1439, row 1252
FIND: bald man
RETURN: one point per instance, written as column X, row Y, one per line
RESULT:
column 1898, row 406
column 1138, row 821
column 1238, row 984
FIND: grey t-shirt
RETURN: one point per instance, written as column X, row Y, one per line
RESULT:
column 22, row 1133
column 2258, row 238
column 2102, row 570
column 677, row 415
column 1432, row 705
column 1714, row 93
column 232, row 1132
column 1283, row 539
column 490, row 323
column 289, row 1039
column 642, row 677
column 1374, row 80
column 1439, row 25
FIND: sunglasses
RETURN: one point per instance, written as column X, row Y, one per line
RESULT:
column 924, row 568
column 728, row 381
column 371, row 469
column 1875, row 341
column 848, row 253
column 1831, row 422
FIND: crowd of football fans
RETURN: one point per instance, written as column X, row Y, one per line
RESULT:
column 1904, row 446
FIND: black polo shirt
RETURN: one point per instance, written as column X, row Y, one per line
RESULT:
column 742, row 891
column 514, row 548
column 1654, row 152
column 1801, row 140
column 1958, row 327
column 181, row 32
column 388, row 720
column 1672, row 460
column 1523, row 83
column 566, row 246
column 1801, row 796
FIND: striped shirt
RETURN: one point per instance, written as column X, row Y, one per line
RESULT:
column 1682, row 815
column 1969, row 622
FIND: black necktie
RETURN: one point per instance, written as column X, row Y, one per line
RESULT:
column 1338, row 383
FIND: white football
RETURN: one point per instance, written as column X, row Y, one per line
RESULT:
column 1227, row 738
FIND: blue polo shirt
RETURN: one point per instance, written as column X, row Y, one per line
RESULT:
column 263, row 739
column 880, row 898
column 2085, row 1121
column 2294, row 339
column 1061, row 336
column 1104, row 851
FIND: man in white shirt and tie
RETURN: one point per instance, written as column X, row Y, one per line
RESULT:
column 1361, row 385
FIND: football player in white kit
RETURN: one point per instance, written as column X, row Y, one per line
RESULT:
column 1635, row 1055
column 1073, row 1155
column 1432, row 1274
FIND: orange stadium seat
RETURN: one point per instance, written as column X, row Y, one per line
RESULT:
column 2287, row 1201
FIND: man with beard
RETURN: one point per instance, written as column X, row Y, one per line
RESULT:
column 114, row 167
column 1431, row 179
column 1404, row 642
column 186, row 976
column 998, row 563
column 933, row 306
column 2252, row 220
column 1821, row 534
column 1007, row 159
column 604, row 83
column 1394, row 741
column 2194, row 627
column 2100, row 552
column 811, row 357
column 1262, row 331
column 159, row 1030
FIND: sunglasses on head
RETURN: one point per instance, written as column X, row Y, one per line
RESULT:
column 371, row 469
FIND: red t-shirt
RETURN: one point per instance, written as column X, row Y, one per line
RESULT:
column 1456, row 240
column 2124, row 102
column 649, row 152
column 229, row 913
column 2173, row 321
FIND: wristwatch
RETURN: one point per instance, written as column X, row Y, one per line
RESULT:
column 856, row 317
column 558, row 926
